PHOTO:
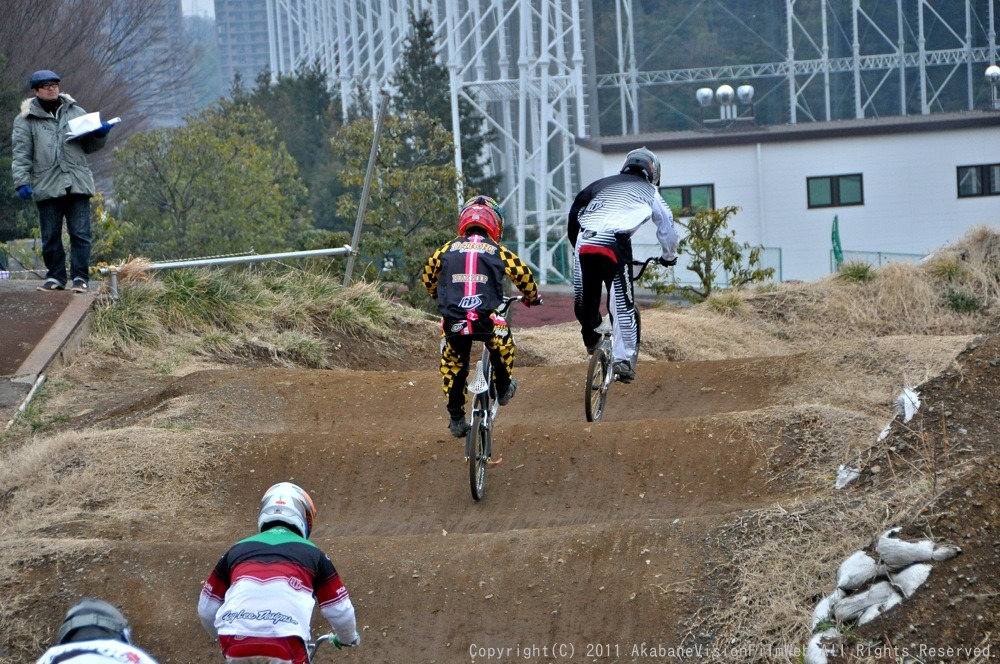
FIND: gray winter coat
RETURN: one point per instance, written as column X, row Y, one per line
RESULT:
column 44, row 158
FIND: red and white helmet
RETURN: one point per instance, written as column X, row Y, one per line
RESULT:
column 484, row 212
column 289, row 504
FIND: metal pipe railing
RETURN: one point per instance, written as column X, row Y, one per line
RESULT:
column 111, row 272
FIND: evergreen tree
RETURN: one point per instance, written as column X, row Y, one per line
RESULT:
column 424, row 86
column 305, row 113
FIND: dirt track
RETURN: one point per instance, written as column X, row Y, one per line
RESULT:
column 592, row 539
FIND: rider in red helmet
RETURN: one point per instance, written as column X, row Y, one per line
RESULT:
column 466, row 278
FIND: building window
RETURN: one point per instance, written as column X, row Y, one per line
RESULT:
column 687, row 200
column 835, row 190
column 979, row 180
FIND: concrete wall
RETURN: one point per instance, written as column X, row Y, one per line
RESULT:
column 911, row 202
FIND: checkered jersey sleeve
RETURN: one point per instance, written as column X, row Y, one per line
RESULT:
column 432, row 271
column 520, row 274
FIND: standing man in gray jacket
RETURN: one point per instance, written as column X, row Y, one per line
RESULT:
column 52, row 169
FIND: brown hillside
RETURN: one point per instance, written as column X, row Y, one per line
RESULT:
column 699, row 515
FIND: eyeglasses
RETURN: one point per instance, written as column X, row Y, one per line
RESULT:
column 51, row 85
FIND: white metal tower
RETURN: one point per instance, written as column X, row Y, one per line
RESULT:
column 529, row 65
column 915, row 40
column 520, row 63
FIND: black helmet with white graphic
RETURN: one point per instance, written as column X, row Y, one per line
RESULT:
column 91, row 619
column 644, row 163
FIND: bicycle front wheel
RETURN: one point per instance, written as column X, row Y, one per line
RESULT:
column 597, row 384
column 478, row 446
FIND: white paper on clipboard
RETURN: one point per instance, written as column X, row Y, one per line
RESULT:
column 86, row 124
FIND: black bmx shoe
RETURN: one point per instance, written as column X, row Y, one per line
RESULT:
column 459, row 428
column 624, row 371
column 505, row 398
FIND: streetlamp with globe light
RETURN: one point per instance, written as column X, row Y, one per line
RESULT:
column 729, row 114
column 993, row 76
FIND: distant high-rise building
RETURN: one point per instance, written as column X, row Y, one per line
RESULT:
column 243, row 39
column 164, row 67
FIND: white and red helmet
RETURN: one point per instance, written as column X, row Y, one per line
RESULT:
column 289, row 504
column 484, row 212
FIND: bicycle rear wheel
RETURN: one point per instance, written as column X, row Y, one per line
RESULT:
column 479, row 445
column 597, row 384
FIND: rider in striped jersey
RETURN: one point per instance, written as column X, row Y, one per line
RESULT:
column 603, row 219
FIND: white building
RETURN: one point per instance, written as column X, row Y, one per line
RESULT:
column 899, row 186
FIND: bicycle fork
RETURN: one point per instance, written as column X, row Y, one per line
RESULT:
column 484, row 402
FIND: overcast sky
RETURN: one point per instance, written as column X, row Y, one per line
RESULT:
column 199, row 7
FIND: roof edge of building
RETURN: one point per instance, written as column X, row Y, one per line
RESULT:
column 904, row 124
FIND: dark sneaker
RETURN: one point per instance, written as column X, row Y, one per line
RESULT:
column 459, row 428
column 591, row 349
column 50, row 285
column 624, row 372
column 505, row 398
column 79, row 286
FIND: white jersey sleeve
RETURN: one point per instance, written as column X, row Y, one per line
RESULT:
column 666, row 232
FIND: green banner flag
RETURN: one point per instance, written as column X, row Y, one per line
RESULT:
column 838, row 253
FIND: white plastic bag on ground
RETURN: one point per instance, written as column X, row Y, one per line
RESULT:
column 845, row 475
column 946, row 551
column 897, row 553
column 822, row 644
column 909, row 403
column 824, row 609
column 853, row 606
column 909, row 579
column 856, row 571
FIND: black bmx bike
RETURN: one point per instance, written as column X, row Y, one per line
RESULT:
column 479, row 440
column 601, row 371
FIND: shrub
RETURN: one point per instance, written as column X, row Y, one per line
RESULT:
column 961, row 300
column 727, row 303
column 856, row 272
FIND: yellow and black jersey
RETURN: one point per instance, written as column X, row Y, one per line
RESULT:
column 465, row 276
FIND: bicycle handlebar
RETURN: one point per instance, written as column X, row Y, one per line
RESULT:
column 507, row 301
column 644, row 265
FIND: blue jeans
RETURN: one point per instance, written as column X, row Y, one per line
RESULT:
column 76, row 209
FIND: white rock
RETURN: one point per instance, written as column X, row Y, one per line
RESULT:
column 946, row 551
column 897, row 553
column 852, row 606
column 845, row 475
column 908, row 579
column 856, row 571
column 820, row 645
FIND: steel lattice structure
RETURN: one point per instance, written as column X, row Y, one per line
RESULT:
column 528, row 67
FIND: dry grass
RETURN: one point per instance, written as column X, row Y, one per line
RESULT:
column 775, row 564
column 278, row 317
column 77, row 480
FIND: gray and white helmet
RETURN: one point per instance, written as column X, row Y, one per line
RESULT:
column 643, row 162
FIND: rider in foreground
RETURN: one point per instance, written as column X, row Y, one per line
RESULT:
column 259, row 599
column 94, row 632
column 603, row 219
column 465, row 276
